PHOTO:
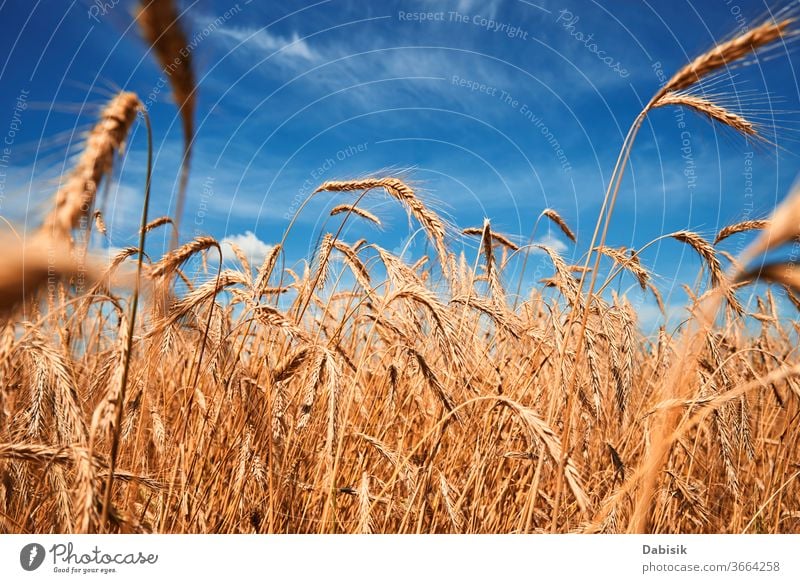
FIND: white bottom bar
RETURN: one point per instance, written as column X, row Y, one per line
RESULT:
column 406, row 558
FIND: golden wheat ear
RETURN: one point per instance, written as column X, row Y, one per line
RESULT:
column 712, row 111
column 705, row 251
column 628, row 261
column 403, row 193
column 741, row 227
column 497, row 238
column 172, row 261
column 679, row 89
column 727, row 53
column 562, row 224
column 76, row 197
column 356, row 210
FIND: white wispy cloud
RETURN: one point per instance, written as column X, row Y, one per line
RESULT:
column 254, row 248
column 261, row 40
column 553, row 242
column 650, row 318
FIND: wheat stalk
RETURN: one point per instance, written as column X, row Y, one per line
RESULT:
column 403, row 193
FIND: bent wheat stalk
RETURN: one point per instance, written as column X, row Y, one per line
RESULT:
column 742, row 227
column 400, row 191
column 720, row 56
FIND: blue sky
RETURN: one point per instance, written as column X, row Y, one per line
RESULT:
column 491, row 109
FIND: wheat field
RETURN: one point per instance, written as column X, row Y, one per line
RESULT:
column 368, row 394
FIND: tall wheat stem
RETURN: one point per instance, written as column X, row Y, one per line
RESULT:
column 131, row 325
column 609, row 201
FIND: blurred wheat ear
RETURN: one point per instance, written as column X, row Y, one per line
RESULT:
column 784, row 273
column 782, row 227
column 161, row 28
column 76, row 197
column 41, row 264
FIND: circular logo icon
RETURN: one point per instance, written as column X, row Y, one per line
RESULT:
column 31, row 556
